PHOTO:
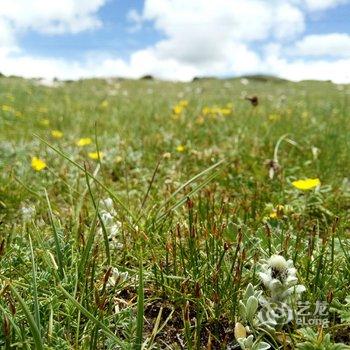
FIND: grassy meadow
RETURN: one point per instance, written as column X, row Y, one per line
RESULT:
column 141, row 214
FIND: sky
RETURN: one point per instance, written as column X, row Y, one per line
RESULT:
column 175, row 39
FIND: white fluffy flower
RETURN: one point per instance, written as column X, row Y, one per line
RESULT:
column 116, row 277
column 279, row 277
column 278, row 262
column 107, row 218
column 107, row 204
column 27, row 213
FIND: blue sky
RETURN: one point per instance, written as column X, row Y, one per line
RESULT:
column 176, row 39
column 114, row 36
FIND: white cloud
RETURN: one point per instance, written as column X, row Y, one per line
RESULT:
column 204, row 32
column 289, row 21
column 337, row 70
column 334, row 44
column 53, row 17
column 7, row 37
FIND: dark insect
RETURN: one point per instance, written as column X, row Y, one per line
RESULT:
column 253, row 100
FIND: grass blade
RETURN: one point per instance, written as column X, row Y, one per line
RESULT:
column 35, row 289
column 92, row 318
column 140, row 310
column 105, row 236
column 56, row 238
column 32, row 324
column 188, row 195
column 214, row 166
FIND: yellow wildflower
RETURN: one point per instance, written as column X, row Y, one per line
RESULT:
column 95, row 155
column 84, row 141
column 7, row 108
column 104, row 104
column 305, row 114
column 56, row 134
column 306, row 184
column 177, row 109
column 38, row 164
column 225, row 111
column 206, row 110
column 180, row 148
column 183, row 103
column 273, row 215
column 45, row 122
column 277, row 212
column 274, row 117
column 215, row 110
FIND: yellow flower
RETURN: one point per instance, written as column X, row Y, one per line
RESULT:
column 38, row 164
column 45, row 122
column 206, row 110
column 183, row 103
column 306, row 184
column 104, row 104
column 277, row 212
column 273, row 214
column 6, row 108
column 305, row 114
column 95, row 155
column 274, row 117
column 226, row 111
column 83, row 141
column 56, row 134
column 177, row 109
column 215, row 110
column 180, row 148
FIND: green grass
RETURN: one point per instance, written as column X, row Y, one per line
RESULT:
column 189, row 226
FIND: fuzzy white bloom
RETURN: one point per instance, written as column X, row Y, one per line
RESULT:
column 107, row 204
column 279, row 277
column 114, row 234
column 116, row 277
column 107, row 218
column 278, row 262
column 113, row 228
column 27, row 213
